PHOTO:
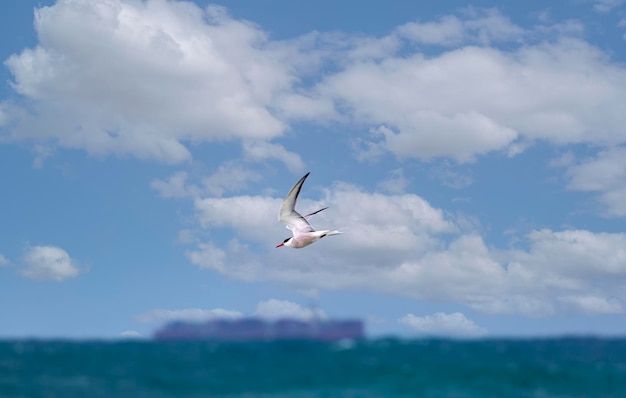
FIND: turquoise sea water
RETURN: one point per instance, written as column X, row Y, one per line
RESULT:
column 568, row 367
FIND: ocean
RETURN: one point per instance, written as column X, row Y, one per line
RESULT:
column 550, row 367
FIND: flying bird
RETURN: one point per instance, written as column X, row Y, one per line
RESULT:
column 303, row 233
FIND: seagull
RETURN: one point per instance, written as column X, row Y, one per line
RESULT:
column 303, row 233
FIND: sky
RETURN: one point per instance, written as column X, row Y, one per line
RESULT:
column 473, row 153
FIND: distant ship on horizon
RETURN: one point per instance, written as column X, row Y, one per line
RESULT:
column 258, row 329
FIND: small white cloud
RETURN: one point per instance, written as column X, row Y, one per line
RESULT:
column 175, row 186
column 261, row 150
column 251, row 216
column 602, row 172
column 565, row 160
column 277, row 309
column 442, row 324
column 590, row 304
column 396, row 183
column 605, row 173
column 622, row 24
column 189, row 314
column 450, row 177
column 579, row 253
column 605, row 6
column 517, row 147
column 370, row 150
column 481, row 26
column 41, row 152
column 447, row 31
column 3, row 260
column 186, row 236
column 208, row 256
column 130, row 334
column 271, row 309
column 49, row 263
column 4, row 113
column 229, row 177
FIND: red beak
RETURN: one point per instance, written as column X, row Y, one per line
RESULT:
column 282, row 244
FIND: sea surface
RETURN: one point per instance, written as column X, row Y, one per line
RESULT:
column 563, row 367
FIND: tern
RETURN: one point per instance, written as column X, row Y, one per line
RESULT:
column 303, row 233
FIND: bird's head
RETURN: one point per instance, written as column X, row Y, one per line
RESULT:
column 286, row 242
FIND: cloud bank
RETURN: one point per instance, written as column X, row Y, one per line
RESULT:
column 400, row 244
column 151, row 78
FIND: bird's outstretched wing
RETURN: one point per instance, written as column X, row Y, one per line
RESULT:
column 315, row 212
column 288, row 214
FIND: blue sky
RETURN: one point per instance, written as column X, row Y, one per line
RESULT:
column 474, row 153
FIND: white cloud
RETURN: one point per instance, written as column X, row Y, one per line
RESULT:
column 472, row 100
column 130, row 334
column 605, row 6
column 399, row 244
column 41, row 152
column 4, row 113
column 175, row 186
column 292, row 106
column 578, row 252
column 450, row 177
column 448, row 30
column 481, row 26
column 396, row 183
column 605, row 171
column 49, row 262
column 564, row 160
column 251, row 216
column 271, row 309
column 590, row 304
column 208, row 256
column 276, row 309
column 442, row 324
column 260, row 150
column 3, row 260
column 190, row 314
column 144, row 77
column 374, row 220
column 571, row 270
column 229, row 177
column 606, row 174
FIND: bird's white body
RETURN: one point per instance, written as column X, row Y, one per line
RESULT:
column 303, row 233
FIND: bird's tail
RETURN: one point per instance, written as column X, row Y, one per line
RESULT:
column 332, row 232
